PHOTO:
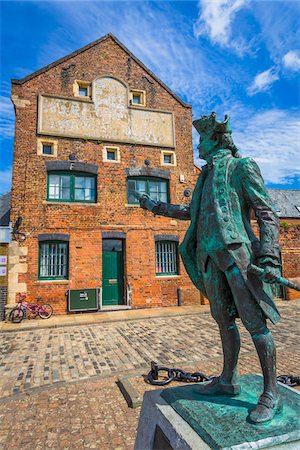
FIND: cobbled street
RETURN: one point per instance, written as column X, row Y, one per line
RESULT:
column 88, row 358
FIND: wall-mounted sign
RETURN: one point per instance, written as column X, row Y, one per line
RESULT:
column 3, row 272
column 3, row 260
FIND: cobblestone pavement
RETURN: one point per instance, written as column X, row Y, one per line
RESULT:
column 40, row 357
column 39, row 412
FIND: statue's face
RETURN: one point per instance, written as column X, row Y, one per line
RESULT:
column 206, row 145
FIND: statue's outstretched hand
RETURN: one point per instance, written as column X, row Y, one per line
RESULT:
column 146, row 202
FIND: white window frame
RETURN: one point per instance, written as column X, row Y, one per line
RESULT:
column 114, row 149
column 85, row 84
column 141, row 94
column 53, row 143
column 168, row 153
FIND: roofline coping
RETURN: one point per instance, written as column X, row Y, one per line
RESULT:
column 87, row 47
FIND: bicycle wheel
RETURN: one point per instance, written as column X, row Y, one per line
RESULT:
column 16, row 316
column 45, row 311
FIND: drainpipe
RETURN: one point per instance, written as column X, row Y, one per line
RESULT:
column 178, row 297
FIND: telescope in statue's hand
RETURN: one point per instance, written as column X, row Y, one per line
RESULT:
column 280, row 280
column 145, row 200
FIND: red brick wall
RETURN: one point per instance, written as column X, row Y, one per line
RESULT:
column 84, row 223
column 290, row 252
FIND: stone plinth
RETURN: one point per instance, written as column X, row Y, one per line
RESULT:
column 181, row 419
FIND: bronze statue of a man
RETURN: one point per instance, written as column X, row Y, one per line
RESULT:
column 218, row 248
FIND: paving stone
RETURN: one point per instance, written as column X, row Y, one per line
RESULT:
column 88, row 411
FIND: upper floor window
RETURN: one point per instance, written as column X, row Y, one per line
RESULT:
column 82, row 89
column 47, row 147
column 157, row 188
column 71, row 187
column 138, row 97
column 53, row 260
column 168, row 158
column 111, row 154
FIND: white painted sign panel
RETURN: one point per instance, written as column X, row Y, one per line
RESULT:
column 108, row 117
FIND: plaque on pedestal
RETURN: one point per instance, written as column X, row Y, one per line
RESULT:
column 181, row 419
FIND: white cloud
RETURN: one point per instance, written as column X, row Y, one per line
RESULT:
column 291, row 60
column 5, row 180
column 215, row 20
column 7, row 114
column 279, row 26
column 272, row 138
column 263, row 81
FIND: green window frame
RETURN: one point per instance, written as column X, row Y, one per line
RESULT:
column 157, row 188
column 53, row 260
column 78, row 187
column 166, row 258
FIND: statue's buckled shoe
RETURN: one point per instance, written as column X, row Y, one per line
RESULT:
column 216, row 387
column 266, row 408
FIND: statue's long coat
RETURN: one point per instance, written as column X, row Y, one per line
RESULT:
column 242, row 190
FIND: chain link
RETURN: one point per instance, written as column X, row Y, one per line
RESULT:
column 176, row 374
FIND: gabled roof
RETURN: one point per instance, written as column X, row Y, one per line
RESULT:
column 87, row 47
column 286, row 202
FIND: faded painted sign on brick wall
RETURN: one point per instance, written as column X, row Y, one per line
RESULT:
column 107, row 116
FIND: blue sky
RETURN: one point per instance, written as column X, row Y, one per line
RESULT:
column 239, row 57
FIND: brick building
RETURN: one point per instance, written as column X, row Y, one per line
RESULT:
column 92, row 128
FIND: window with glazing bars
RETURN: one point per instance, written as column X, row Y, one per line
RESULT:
column 53, row 260
column 166, row 253
column 71, row 187
column 157, row 188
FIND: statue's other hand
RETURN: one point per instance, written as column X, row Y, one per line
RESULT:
column 271, row 271
column 146, row 202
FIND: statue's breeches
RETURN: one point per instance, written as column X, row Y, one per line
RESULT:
column 230, row 298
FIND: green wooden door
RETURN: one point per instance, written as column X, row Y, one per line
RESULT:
column 112, row 273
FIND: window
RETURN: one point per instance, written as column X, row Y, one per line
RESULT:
column 138, row 97
column 53, row 260
column 111, row 154
column 168, row 158
column 71, row 187
column 82, row 88
column 166, row 255
column 83, row 91
column 157, row 188
column 47, row 149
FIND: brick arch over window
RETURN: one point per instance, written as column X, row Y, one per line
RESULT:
column 74, row 166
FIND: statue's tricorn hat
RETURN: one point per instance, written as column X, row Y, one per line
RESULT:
column 209, row 124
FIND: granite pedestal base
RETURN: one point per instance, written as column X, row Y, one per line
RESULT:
column 181, row 419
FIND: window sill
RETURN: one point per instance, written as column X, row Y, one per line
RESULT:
column 45, row 202
column 52, row 282
column 168, row 276
column 129, row 205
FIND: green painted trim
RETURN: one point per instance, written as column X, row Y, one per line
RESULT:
column 147, row 179
column 72, row 176
column 39, row 261
column 164, row 274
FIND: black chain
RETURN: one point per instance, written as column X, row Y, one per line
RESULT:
column 175, row 374
column 289, row 380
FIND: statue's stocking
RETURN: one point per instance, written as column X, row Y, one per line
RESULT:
column 266, row 350
column 231, row 346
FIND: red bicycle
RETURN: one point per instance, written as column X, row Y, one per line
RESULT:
column 24, row 309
